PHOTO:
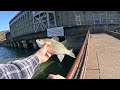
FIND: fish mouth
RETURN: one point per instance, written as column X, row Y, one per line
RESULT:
column 38, row 43
column 37, row 40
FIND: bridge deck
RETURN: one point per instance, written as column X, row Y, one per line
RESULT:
column 104, row 57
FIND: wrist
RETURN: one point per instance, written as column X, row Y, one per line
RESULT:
column 37, row 58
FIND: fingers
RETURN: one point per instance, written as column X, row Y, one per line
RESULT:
column 46, row 45
column 45, row 49
column 43, row 53
column 52, row 76
column 49, row 54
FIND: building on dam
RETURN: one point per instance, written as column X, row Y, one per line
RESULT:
column 27, row 26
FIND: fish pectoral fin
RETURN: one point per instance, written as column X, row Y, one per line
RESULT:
column 60, row 57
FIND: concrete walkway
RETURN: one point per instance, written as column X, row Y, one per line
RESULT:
column 104, row 57
column 92, row 69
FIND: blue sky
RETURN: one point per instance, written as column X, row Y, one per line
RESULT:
column 5, row 17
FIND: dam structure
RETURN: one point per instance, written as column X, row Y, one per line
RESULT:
column 27, row 26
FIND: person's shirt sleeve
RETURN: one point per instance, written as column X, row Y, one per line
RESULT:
column 19, row 69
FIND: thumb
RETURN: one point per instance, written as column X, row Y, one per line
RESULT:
column 46, row 44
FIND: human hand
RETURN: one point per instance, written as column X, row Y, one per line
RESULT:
column 42, row 54
column 52, row 76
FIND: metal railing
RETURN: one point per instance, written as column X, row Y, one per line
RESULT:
column 78, row 68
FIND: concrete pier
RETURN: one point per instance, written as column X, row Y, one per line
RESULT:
column 14, row 45
column 11, row 44
column 19, row 44
column 34, row 44
column 8, row 44
column 24, row 44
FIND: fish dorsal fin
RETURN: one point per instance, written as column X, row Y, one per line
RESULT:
column 64, row 42
column 55, row 38
column 60, row 57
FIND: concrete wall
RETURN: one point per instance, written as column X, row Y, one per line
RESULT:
column 102, row 28
column 73, row 18
column 75, row 36
column 76, row 24
column 22, row 24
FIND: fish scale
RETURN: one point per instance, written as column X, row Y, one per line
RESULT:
column 56, row 48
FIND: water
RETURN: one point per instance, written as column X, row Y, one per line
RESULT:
column 52, row 66
column 9, row 54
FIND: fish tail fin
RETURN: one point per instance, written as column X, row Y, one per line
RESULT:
column 72, row 54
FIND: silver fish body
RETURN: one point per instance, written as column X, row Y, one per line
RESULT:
column 56, row 48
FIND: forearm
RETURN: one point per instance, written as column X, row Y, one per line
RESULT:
column 19, row 69
column 24, row 69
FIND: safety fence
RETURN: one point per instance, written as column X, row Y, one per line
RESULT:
column 77, row 71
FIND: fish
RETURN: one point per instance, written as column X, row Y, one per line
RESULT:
column 56, row 47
